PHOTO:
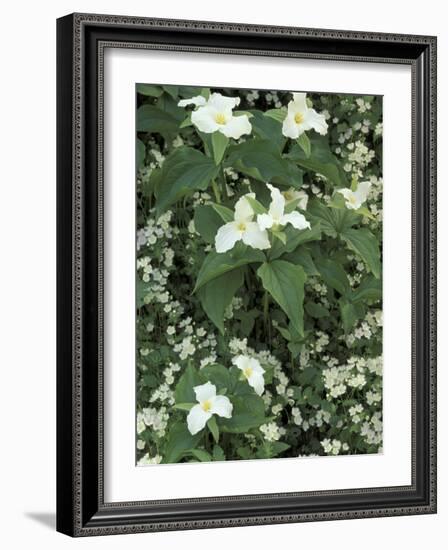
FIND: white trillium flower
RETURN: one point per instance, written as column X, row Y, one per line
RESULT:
column 355, row 199
column 208, row 404
column 242, row 229
column 292, row 195
column 276, row 215
column 215, row 115
column 252, row 371
column 301, row 118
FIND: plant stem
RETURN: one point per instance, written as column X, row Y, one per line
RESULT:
column 216, row 192
column 267, row 324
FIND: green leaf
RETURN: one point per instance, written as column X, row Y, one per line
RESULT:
column 217, row 294
column 301, row 256
column 266, row 127
column 141, row 290
column 213, row 427
column 178, row 441
column 316, row 310
column 183, row 172
column 247, row 413
column 257, row 207
column 187, row 122
column 225, row 213
column 152, row 119
column 349, row 315
column 334, row 275
column 305, row 144
column 149, row 90
column 277, row 114
column 207, row 221
column 321, row 161
column 332, row 221
column 202, row 456
column 260, row 159
column 217, row 375
column 364, row 243
column 270, row 449
column 284, row 282
column 173, row 91
column 218, row 453
column 370, row 289
column 280, row 235
column 216, row 264
column 184, row 406
column 294, row 238
column 184, row 392
column 219, row 146
column 140, row 153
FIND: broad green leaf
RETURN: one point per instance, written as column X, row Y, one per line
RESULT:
column 364, row 243
column 140, row 153
column 257, row 207
column 277, row 114
column 187, row 122
column 305, row 144
column 169, row 105
column 270, row 449
column 333, row 275
column 207, row 221
column 266, row 127
column 213, row 427
column 217, row 375
column 201, row 455
column 173, row 91
column 184, row 406
column 218, row 453
column 149, row 90
column 316, row 310
column 332, row 221
column 247, row 319
column 219, row 146
column 183, row 172
column 301, row 256
column 321, row 161
column 226, row 214
column 284, row 282
column 216, row 264
column 184, row 392
column 178, row 441
column 152, row 119
column 349, row 315
column 294, row 238
column 248, row 412
column 217, row 294
column 260, row 159
column 370, row 289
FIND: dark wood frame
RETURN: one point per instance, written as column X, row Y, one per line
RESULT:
column 81, row 39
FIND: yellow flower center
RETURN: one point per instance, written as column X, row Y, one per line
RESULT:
column 206, row 406
column 288, row 196
column 352, row 199
column 220, row 118
column 248, row 372
column 298, row 117
column 241, row 226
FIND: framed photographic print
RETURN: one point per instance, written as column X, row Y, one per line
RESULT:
column 246, row 274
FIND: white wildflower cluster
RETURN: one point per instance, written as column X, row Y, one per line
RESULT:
column 355, row 412
column 146, row 460
column 365, row 328
column 372, row 430
column 333, row 446
column 271, row 431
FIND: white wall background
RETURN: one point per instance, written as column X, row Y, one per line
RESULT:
column 27, row 273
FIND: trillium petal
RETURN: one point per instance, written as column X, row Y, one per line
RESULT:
column 256, row 381
column 222, row 406
column 299, row 102
column 290, row 128
column 316, row 122
column 241, row 361
column 222, row 103
column 243, row 210
column 226, row 237
column 204, row 119
column 255, row 237
column 205, row 391
column 197, row 100
column 277, row 206
column 351, row 200
column 265, row 221
column 362, row 191
column 296, row 219
column 236, row 127
column 197, row 419
column 255, row 365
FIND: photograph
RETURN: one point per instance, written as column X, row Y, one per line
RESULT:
column 258, row 274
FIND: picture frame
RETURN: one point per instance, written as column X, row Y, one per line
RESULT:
column 81, row 507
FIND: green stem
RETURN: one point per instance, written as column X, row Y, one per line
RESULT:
column 216, row 192
column 223, row 183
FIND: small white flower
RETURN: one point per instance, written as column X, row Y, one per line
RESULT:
column 241, row 229
column 301, row 118
column 252, row 371
column 276, row 215
column 355, row 199
column 215, row 115
column 292, row 195
column 208, row 404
